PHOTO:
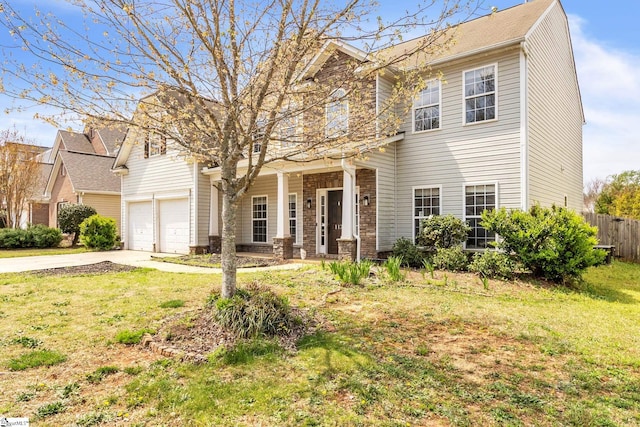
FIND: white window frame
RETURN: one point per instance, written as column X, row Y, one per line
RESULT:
column 157, row 144
column 413, row 205
column 293, row 220
column 258, row 136
column 417, row 106
column 340, row 127
column 465, row 217
column 265, row 219
column 494, row 93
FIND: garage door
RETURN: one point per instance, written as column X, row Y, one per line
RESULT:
column 140, row 226
column 173, row 216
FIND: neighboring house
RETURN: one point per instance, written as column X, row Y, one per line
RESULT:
column 39, row 206
column 81, row 172
column 503, row 128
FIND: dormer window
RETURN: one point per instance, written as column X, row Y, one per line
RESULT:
column 155, row 145
column 337, row 114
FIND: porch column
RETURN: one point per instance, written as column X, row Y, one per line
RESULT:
column 283, row 242
column 215, row 242
column 347, row 243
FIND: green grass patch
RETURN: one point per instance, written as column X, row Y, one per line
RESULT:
column 16, row 253
column 174, row 303
column 36, row 359
column 129, row 337
column 26, row 342
column 101, row 373
column 50, row 409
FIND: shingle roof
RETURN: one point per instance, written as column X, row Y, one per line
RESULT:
column 78, row 142
column 45, row 171
column 112, row 138
column 90, row 172
column 501, row 28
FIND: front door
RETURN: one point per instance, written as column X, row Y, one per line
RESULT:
column 334, row 220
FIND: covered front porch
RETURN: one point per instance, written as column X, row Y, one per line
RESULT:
column 319, row 209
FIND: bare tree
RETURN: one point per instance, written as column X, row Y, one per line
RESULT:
column 592, row 190
column 224, row 78
column 19, row 174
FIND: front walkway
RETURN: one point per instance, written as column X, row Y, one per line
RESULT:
column 133, row 258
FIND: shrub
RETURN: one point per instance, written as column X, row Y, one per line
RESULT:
column 99, row 232
column 351, row 272
column 411, row 255
column 553, row 243
column 71, row 216
column 254, row 311
column 35, row 359
column 442, row 231
column 451, row 259
column 493, row 264
column 42, row 236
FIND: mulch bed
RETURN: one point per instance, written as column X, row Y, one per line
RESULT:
column 97, row 268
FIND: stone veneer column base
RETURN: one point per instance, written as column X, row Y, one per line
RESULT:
column 215, row 244
column 283, row 248
column 347, row 249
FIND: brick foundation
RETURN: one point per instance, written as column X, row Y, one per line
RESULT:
column 347, row 249
column 283, row 248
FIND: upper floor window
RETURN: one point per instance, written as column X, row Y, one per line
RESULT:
column 480, row 94
column 258, row 136
column 426, row 202
column 337, row 114
column 426, row 108
column 155, row 145
column 289, row 131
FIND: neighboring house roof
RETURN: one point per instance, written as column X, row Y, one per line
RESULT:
column 112, row 138
column 45, row 172
column 75, row 141
column 89, row 172
column 45, row 157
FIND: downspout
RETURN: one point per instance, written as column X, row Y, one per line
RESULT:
column 524, row 128
column 352, row 173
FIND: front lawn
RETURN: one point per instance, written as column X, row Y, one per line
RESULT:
column 441, row 350
column 15, row 253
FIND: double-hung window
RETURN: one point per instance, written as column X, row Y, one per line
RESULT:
column 426, row 202
column 477, row 199
column 155, row 145
column 426, row 108
column 259, row 219
column 480, row 94
column 293, row 216
column 258, row 135
column 337, row 115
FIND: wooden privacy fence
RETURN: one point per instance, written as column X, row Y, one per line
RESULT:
column 623, row 233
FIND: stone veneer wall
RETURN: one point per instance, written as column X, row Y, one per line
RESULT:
column 366, row 180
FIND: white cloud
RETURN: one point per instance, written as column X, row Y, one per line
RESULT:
column 610, row 87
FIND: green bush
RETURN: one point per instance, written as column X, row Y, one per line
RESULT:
column 35, row 236
column 451, row 259
column 493, row 264
column 42, row 236
column 411, row 255
column 71, row 216
column 442, row 231
column 99, row 232
column 254, row 311
column 553, row 243
column 351, row 272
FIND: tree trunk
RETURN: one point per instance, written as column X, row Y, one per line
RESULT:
column 228, row 249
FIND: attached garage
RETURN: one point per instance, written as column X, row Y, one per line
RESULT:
column 140, row 226
column 173, row 219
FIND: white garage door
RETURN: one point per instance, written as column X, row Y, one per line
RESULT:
column 173, row 216
column 140, row 226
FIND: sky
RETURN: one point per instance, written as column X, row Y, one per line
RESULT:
column 606, row 43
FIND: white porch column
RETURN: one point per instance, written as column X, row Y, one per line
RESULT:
column 282, row 224
column 214, row 229
column 348, row 201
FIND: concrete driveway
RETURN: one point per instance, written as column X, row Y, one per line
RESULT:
column 134, row 258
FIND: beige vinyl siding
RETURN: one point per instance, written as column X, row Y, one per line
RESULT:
column 555, row 116
column 458, row 154
column 384, row 163
column 105, row 205
column 204, row 201
column 267, row 186
column 384, row 90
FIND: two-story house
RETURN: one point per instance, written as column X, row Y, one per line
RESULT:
column 501, row 126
